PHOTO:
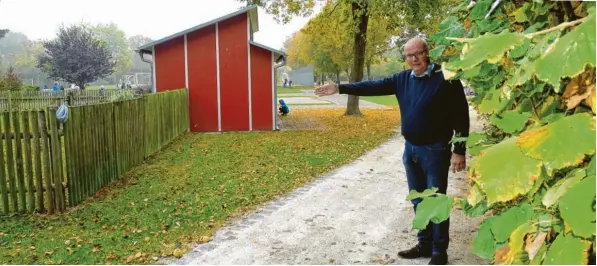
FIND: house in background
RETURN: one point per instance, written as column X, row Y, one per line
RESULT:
column 230, row 78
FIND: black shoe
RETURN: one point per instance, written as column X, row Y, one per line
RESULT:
column 417, row 251
column 439, row 259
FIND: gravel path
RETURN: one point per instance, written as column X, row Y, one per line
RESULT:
column 354, row 215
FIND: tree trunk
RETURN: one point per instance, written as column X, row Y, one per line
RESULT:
column 361, row 18
column 369, row 70
column 338, row 77
column 322, row 81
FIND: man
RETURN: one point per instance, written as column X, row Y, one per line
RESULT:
column 431, row 109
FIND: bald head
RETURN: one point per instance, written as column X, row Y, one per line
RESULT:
column 416, row 51
column 417, row 43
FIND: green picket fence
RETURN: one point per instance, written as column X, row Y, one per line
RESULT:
column 47, row 166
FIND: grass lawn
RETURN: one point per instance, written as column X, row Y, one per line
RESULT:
column 385, row 100
column 189, row 189
column 294, row 89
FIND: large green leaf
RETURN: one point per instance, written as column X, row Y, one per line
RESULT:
column 510, row 121
column 484, row 243
column 436, row 52
column 435, row 209
column 569, row 56
column 475, row 138
column 561, row 187
column 491, row 103
column 413, row 194
column 503, row 172
column 562, row 143
column 490, row 47
column 567, row 250
column 450, row 27
column 505, row 223
column 577, row 208
column 480, row 9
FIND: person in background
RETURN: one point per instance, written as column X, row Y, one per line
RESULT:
column 283, row 109
column 45, row 87
column 290, row 83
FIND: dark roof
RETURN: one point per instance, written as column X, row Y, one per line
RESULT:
column 252, row 15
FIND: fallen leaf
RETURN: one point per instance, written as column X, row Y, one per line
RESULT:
column 48, row 253
column 32, row 247
column 146, row 199
column 204, row 239
column 70, row 250
column 132, row 203
column 177, row 253
column 155, row 258
column 147, row 239
column 95, row 249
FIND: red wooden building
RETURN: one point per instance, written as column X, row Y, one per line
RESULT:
column 231, row 79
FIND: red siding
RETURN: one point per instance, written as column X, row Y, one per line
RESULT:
column 234, row 91
column 169, row 65
column 203, row 94
column 261, row 88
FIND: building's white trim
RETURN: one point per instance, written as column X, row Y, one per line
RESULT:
column 186, row 63
column 218, row 77
column 274, row 111
column 249, row 74
column 155, row 85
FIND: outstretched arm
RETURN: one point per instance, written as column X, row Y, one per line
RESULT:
column 386, row 86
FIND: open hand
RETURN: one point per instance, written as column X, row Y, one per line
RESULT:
column 326, row 90
column 458, row 162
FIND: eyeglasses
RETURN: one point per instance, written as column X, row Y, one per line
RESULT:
column 417, row 54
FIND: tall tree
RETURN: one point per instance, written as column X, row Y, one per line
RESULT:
column 424, row 13
column 76, row 56
column 117, row 43
column 134, row 43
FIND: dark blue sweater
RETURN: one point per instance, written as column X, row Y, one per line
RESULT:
column 431, row 108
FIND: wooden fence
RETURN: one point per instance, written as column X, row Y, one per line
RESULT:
column 47, row 166
column 36, row 100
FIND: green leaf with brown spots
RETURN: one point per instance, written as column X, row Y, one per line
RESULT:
column 503, row 172
column 568, row 56
column 562, row 143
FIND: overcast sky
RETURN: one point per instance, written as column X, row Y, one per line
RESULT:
column 40, row 19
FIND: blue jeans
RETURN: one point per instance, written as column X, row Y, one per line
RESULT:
column 427, row 166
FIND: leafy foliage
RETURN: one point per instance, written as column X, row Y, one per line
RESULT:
column 76, row 56
column 10, row 80
column 532, row 66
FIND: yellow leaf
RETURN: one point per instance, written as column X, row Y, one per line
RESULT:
column 204, row 239
column 146, row 239
column 132, row 203
column 177, row 253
